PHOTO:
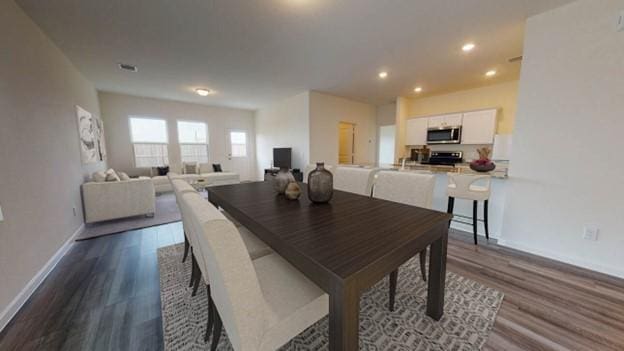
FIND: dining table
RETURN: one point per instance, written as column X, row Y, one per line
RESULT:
column 344, row 246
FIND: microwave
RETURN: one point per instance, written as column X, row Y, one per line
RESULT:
column 444, row 135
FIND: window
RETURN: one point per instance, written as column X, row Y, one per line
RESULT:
column 149, row 141
column 238, row 144
column 193, row 139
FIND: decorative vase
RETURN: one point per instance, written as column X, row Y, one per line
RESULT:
column 320, row 184
column 482, row 166
column 281, row 180
column 293, row 191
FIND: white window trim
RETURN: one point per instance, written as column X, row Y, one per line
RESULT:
column 133, row 142
column 229, row 140
column 207, row 143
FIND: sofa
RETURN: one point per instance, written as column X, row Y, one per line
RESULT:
column 163, row 185
column 118, row 199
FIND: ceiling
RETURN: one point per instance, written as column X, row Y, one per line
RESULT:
column 255, row 52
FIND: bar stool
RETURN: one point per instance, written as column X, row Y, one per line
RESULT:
column 462, row 186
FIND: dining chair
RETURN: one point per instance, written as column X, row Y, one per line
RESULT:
column 415, row 189
column 179, row 187
column 194, row 202
column 358, row 180
column 261, row 303
column 473, row 187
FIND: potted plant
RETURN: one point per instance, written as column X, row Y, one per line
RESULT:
column 483, row 164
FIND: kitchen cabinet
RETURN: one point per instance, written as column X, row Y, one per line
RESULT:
column 441, row 121
column 479, row 127
column 416, row 131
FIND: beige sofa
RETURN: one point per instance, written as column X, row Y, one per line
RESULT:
column 111, row 200
column 163, row 185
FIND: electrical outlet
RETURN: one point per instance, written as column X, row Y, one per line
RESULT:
column 620, row 22
column 74, row 209
column 590, row 233
column 1, row 215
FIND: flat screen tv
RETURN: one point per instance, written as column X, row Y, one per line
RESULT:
column 281, row 157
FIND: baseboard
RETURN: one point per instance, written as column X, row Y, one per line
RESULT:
column 609, row 270
column 11, row 310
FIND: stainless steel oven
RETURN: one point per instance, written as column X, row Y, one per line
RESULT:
column 444, row 135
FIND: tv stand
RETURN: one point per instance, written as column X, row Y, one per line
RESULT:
column 269, row 173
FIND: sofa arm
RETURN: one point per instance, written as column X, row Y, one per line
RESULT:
column 112, row 200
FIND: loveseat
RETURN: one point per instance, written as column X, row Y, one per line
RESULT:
column 118, row 199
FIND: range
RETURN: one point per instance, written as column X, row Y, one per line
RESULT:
column 444, row 158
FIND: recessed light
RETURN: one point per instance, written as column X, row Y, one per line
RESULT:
column 418, row 89
column 383, row 74
column 127, row 67
column 203, row 92
column 490, row 73
column 468, row 47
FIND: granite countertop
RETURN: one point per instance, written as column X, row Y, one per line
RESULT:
column 499, row 172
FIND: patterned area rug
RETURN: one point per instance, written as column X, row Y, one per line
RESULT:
column 470, row 311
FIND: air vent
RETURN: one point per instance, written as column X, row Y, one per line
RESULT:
column 515, row 59
column 127, row 67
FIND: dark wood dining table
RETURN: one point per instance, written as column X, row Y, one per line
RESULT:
column 344, row 246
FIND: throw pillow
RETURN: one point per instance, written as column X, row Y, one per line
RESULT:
column 217, row 167
column 123, row 176
column 162, row 171
column 99, row 177
column 191, row 168
column 111, row 176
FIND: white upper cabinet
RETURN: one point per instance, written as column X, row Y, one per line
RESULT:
column 441, row 121
column 416, row 131
column 479, row 127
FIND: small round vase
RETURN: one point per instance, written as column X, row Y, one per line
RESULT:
column 482, row 167
column 281, row 180
column 293, row 191
column 320, row 184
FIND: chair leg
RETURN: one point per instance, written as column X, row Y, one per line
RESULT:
column 393, row 284
column 193, row 265
column 210, row 315
column 423, row 259
column 216, row 333
column 186, row 247
column 197, row 279
column 451, row 205
column 474, row 220
column 485, row 219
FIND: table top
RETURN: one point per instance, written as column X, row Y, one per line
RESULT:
column 339, row 239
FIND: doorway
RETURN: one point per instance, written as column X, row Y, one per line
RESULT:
column 346, row 143
column 385, row 155
column 238, row 153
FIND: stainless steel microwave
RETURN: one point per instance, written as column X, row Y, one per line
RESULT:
column 444, row 135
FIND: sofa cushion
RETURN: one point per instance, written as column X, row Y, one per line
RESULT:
column 190, row 168
column 216, row 167
column 111, row 175
column 99, row 176
column 123, row 176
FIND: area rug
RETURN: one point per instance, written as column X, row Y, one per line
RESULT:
column 470, row 311
column 166, row 212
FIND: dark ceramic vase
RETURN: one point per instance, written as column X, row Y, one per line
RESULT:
column 281, row 180
column 320, row 184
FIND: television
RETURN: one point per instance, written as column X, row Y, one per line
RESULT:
column 281, row 157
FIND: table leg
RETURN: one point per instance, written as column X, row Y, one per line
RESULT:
column 344, row 314
column 437, row 277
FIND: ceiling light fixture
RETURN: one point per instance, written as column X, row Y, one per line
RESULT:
column 383, row 74
column 418, row 89
column 203, row 92
column 490, row 73
column 468, row 47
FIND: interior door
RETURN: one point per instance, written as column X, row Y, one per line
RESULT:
column 346, row 138
column 238, row 152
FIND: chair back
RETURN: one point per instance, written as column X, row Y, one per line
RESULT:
column 414, row 189
column 463, row 186
column 234, row 285
column 181, row 187
column 356, row 180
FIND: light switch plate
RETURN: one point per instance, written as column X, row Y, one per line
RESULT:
column 620, row 23
column 1, row 215
column 590, row 232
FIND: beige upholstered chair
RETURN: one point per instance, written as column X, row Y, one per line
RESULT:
column 262, row 303
column 473, row 187
column 180, row 187
column 409, row 188
column 356, row 180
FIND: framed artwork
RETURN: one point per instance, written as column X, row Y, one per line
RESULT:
column 90, row 136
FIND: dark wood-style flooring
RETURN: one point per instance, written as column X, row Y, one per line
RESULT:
column 104, row 295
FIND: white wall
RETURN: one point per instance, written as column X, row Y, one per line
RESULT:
column 284, row 124
column 40, row 166
column 116, row 109
column 567, row 169
column 326, row 112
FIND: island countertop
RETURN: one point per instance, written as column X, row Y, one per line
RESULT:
column 464, row 168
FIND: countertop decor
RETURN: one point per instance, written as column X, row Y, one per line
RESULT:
column 483, row 164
